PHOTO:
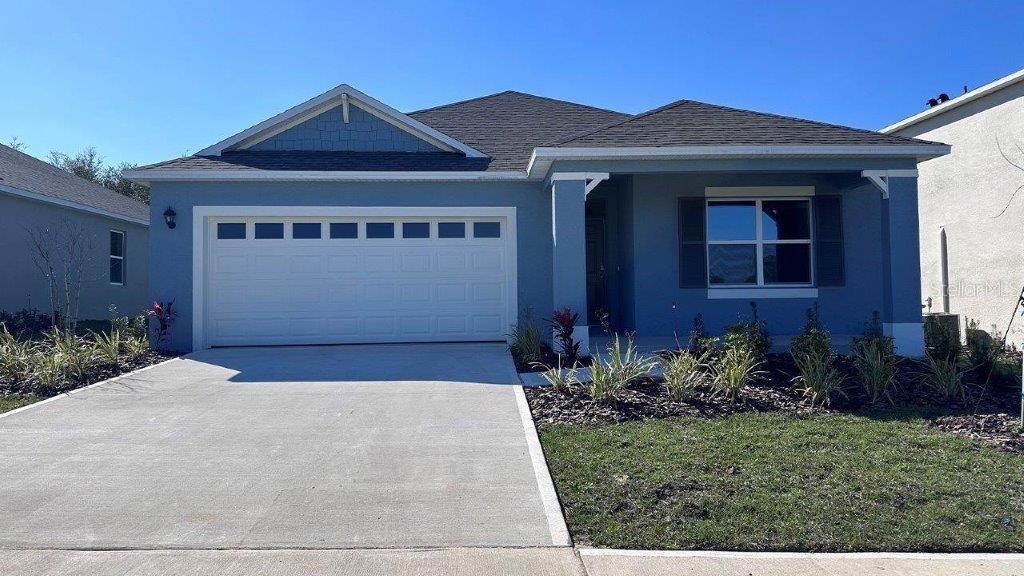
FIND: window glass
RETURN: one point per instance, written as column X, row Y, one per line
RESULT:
column 732, row 220
column 344, row 230
column 269, row 230
column 116, row 271
column 787, row 263
column 231, row 231
column 451, row 229
column 116, row 243
column 415, row 230
column 380, row 230
column 306, row 230
column 486, row 229
column 785, row 220
column 732, row 264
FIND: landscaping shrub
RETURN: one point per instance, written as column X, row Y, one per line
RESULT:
column 812, row 339
column 819, row 379
column 564, row 324
column 983, row 351
column 558, row 378
column 107, row 346
column 525, row 339
column 752, row 335
column 876, row 362
column 941, row 338
column 15, row 360
column 27, row 322
column 733, row 369
column 685, row 371
column 622, row 367
column 944, row 377
column 701, row 343
column 127, row 326
column 164, row 314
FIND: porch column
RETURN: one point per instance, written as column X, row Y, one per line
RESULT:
column 902, row 266
column 569, row 253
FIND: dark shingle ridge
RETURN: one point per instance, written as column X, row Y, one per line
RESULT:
column 686, row 101
column 517, row 93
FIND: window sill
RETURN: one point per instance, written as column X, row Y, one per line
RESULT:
column 758, row 292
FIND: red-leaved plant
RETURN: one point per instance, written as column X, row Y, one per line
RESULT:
column 564, row 322
column 164, row 314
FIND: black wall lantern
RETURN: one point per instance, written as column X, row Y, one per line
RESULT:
column 169, row 216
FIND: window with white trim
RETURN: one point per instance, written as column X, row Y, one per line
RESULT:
column 759, row 242
column 117, row 256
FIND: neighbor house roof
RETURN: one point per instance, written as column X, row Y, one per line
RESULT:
column 26, row 176
column 507, row 130
column 691, row 123
column 990, row 88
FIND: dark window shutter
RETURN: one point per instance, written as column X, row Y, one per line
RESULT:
column 693, row 270
column 829, row 254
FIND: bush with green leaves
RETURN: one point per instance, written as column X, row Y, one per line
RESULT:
column 559, row 378
column 15, row 360
column 944, row 377
column 983, row 351
column 525, row 339
column 685, row 372
column 107, row 346
column 701, row 343
column 942, row 337
column 733, row 369
column 622, row 366
column 127, row 326
column 819, row 380
column 752, row 335
column 812, row 339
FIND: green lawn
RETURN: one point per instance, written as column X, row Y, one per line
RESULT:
column 780, row 481
column 9, row 402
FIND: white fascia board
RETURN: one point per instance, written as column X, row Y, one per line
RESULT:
column 327, row 100
column 157, row 175
column 971, row 96
column 71, row 205
column 542, row 158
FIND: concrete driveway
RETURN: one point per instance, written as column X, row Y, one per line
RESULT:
column 384, row 446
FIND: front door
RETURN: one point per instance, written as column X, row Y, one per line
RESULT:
column 597, row 282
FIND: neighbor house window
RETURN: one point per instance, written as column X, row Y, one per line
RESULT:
column 759, row 242
column 117, row 252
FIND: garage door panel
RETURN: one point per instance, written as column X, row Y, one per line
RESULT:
column 354, row 289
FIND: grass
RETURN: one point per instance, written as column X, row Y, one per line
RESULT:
column 9, row 402
column 781, row 481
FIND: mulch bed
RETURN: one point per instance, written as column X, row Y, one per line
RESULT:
column 548, row 358
column 987, row 415
column 94, row 375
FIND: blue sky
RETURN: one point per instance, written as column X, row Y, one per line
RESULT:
column 144, row 82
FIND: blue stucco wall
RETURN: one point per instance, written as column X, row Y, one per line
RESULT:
column 171, row 250
column 654, row 276
column 363, row 133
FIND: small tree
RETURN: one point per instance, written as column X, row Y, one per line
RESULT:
column 61, row 253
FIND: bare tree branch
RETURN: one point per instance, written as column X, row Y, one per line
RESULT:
column 1015, row 165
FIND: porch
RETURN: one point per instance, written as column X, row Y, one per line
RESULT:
column 649, row 250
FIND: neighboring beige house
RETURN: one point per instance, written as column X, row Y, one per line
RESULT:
column 975, row 194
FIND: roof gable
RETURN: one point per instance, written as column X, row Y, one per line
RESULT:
column 345, row 99
column 30, row 177
column 692, row 123
column 330, row 132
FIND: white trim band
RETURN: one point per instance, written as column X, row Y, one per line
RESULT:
column 760, row 292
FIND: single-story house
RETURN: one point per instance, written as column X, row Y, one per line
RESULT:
column 343, row 220
column 83, row 225
column 973, row 197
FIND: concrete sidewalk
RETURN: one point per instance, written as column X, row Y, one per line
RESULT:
column 599, row 562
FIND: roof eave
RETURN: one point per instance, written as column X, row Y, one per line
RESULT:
column 980, row 92
column 77, row 206
column 173, row 175
column 542, row 158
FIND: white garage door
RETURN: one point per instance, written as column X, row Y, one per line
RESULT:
column 358, row 278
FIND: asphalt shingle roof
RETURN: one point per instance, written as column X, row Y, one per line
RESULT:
column 507, row 126
column 328, row 161
column 691, row 123
column 24, row 172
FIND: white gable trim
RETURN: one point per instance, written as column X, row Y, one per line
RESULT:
column 991, row 87
column 314, row 106
column 71, row 205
